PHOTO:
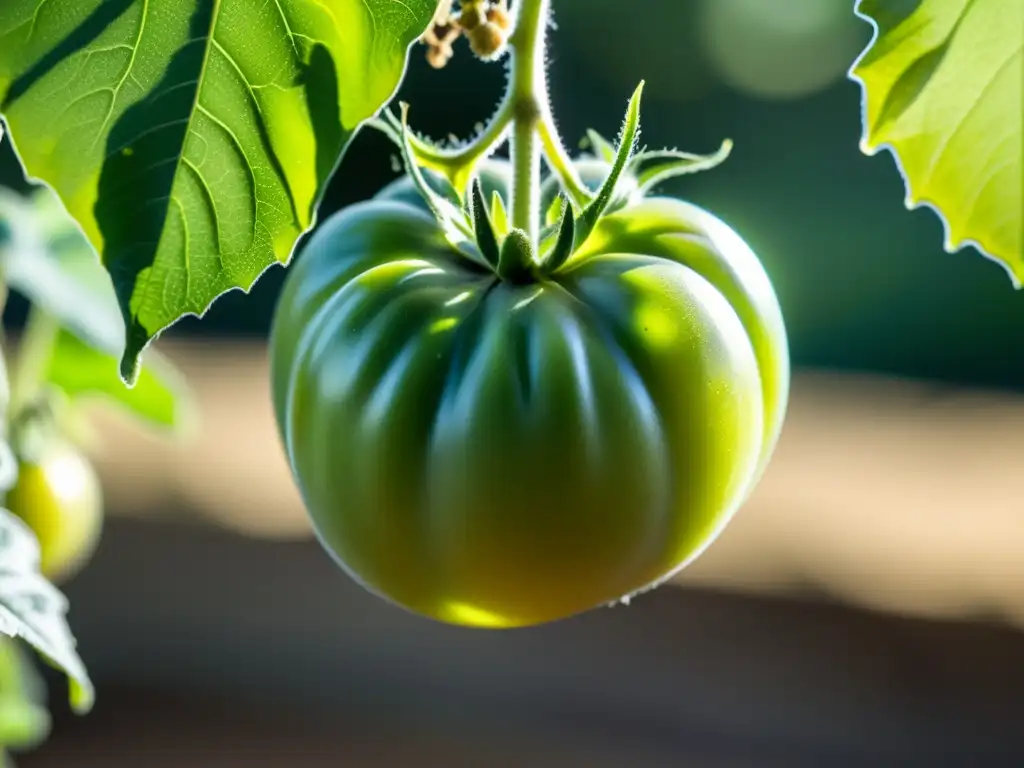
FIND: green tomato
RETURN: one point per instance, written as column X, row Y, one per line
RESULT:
column 502, row 455
column 59, row 497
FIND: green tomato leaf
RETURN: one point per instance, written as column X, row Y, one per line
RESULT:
column 192, row 139
column 81, row 371
column 942, row 85
column 33, row 609
column 49, row 261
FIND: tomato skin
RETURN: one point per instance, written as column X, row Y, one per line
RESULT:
column 680, row 232
column 684, row 233
column 495, row 455
column 60, row 498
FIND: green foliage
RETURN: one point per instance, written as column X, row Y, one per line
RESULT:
column 33, row 609
column 942, row 82
column 24, row 719
column 80, row 370
column 192, row 139
column 48, row 260
column 43, row 260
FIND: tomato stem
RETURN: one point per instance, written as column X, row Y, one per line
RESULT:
column 524, row 116
column 526, row 89
column 533, row 122
column 34, row 353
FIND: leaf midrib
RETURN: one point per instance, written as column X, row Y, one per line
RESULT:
column 179, row 162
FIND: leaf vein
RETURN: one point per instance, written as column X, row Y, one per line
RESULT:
column 143, row 134
column 968, row 110
column 214, row 18
column 124, row 78
column 241, row 151
column 288, row 29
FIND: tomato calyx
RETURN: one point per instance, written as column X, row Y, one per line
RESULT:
column 612, row 177
column 514, row 258
column 486, row 238
column 517, row 263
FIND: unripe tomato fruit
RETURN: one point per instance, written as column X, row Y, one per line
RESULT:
column 60, row 498
column 503, row 455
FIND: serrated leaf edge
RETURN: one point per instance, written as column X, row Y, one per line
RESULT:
column 130, row 364
column 870, row 149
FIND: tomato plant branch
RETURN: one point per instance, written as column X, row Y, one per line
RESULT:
column 524, row 108
column 34, row 352
column 457, row 164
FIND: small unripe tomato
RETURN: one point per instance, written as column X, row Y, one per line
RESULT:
column 497, row 454
column 59, row 497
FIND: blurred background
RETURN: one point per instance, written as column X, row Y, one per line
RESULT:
column 865, row 608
